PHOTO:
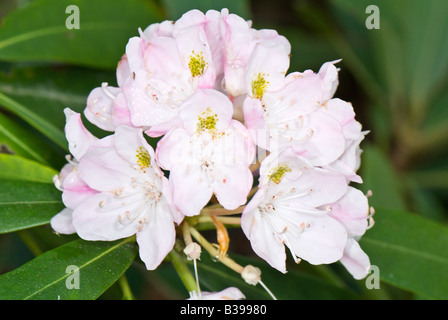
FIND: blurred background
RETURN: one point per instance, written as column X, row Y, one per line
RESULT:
column 396, row 78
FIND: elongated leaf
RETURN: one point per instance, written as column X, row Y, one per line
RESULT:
column 39, row 96
column 38, row 32
column 98, row 265
column 25, row 204
column 410, row 252
column 18, row 168
column 380, row 177
column 18, row 139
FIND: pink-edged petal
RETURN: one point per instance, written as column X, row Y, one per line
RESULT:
column 231, row 293
column 103, row 170
column 123, row 70
column 176, row 215
column 190, row 187
column 254, row 119
column 343, row 112
column 321, row 187
column 268, row 64
column 301, row 95
column 159, row 130
column 156, row 238
column 163, row 29
column 62, row 222
column 263, row 240
column 239, row 45
column 322, row 241
column 193, row 45
column 98, row 218
column 78, row 137
column 174, row 146
column 232, row 185
column 100, row 106
column 329, row 75
column 156, row 88
column 133, row 148
column 355, row 260
column 326, row 142
column 215, row 31
column 293, row 164
column 75, row 190
column 235, row 147
column 352, row 211
column 121, row 115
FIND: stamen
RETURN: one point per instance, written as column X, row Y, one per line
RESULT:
column 312, row 211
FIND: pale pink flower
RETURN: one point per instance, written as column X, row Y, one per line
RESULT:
column 107, row 108
column 302, row 115
column 74, row 189
column 132, row 197
column 350, row 160
column 230, row 293
column 209, row 153
column 291, row 208
column 352, row 210
column 268, row 63
column 165, row 69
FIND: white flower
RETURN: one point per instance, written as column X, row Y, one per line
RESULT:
column 290, row 209
column 230, row 293
column 132, row 197
column 208, row 154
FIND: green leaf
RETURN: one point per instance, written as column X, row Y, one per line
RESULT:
column 410, row 252
column 18, row 168
column 176, row 8
column 25, row 204
column 38, row 32
column 40, row 95
column 380, row 177
column 99, row 265
column 16, row 138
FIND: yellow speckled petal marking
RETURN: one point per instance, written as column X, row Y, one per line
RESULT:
column 259, row 85
column 143, row 158
column 197, row 64
column 278, row 173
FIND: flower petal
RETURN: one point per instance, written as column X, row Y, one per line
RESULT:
column 62, row 222
column 97, row 218
column 352, row 211
column 323, row 240
column 232, row 185
column 156, row 239
column 355, row 260
column 79, row 138
column 190, row 188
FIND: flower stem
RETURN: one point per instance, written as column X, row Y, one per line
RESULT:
column 183, row 271
column 215, row 252
column 218, row 210
column 124, row 285
column 224, row 220
column 28, row 240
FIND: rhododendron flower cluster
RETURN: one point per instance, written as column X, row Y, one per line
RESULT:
column 215, row 95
